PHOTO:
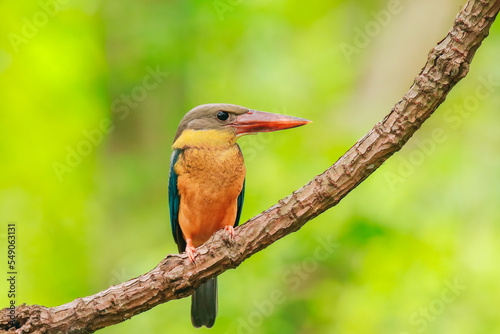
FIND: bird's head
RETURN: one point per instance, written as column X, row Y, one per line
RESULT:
column 233, row 121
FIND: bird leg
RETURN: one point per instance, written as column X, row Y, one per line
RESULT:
column 230, row 230
column 190, row 250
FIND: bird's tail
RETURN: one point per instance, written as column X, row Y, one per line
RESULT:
column 204, row 304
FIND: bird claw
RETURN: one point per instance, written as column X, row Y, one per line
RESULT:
column 230, row 230
column 191, row 253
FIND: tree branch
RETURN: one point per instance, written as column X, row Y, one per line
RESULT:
column 176, row 278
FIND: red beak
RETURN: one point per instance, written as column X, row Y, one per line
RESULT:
column 260, row 121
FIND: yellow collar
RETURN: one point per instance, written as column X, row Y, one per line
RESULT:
column 205, row 139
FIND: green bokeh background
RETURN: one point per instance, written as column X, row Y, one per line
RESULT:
column 414, row 249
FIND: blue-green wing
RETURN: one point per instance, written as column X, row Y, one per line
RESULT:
column 240, row 204
column 174, row 200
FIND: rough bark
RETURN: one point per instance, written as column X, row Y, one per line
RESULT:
column 176, row 278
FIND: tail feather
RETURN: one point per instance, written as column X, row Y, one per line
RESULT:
column 204, row 304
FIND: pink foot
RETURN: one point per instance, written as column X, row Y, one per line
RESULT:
column 229, row 230
column 190, row 250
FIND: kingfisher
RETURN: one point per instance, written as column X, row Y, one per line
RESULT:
column 207, row 182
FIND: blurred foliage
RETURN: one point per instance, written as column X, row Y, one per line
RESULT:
column 414, row 249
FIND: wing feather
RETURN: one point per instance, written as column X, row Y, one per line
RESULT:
column 241, row 197
column 174, row 200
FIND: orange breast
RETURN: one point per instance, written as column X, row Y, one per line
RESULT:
column 209, row 182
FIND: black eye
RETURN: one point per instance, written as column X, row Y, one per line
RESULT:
column 222, row 115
